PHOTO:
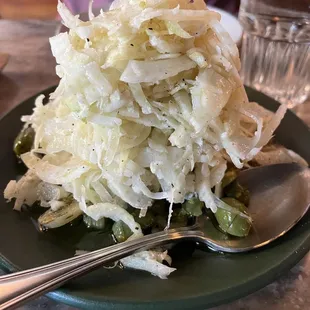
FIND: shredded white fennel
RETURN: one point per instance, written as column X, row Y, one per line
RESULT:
column 150, row 105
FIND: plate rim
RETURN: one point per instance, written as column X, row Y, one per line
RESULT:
column 251, row 285
column 236, row 292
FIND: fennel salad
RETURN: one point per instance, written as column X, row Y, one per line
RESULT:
column 148, row 127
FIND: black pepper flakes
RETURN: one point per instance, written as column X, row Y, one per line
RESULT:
column 131, row 44
column 150, row 28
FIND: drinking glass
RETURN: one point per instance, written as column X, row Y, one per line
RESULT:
column 275, row 53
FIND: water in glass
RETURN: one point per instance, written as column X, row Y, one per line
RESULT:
column 275, row 51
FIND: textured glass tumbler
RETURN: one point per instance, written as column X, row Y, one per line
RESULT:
column 275, row 52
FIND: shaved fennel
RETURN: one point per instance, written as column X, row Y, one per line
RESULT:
column 150, row 106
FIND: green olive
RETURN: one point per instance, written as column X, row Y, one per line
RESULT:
column 193, row 207
column 230, row 176
column 240, row 227
column 237, row 191
column 24, row 141
column 121, row 231
column 224, row 219
column 91, row 223
column 230, row 223
column 179, row 219
column 146, row 221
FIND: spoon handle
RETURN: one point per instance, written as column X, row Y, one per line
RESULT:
column 19, row 287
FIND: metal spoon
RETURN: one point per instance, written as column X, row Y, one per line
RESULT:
column 280, row 196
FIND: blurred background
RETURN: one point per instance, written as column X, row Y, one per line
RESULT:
column 46, row 9
column 28, row 9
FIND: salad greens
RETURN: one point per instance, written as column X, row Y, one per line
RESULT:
column 24, row 141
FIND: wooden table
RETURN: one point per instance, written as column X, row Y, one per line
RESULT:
column 31, row 69
column 23, row 9
column 31, row 66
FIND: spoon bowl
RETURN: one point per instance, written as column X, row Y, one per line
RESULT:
column 279, row 199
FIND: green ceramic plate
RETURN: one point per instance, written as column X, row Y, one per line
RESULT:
column 202, row 279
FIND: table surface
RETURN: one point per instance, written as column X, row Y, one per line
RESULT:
column 31, row 68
